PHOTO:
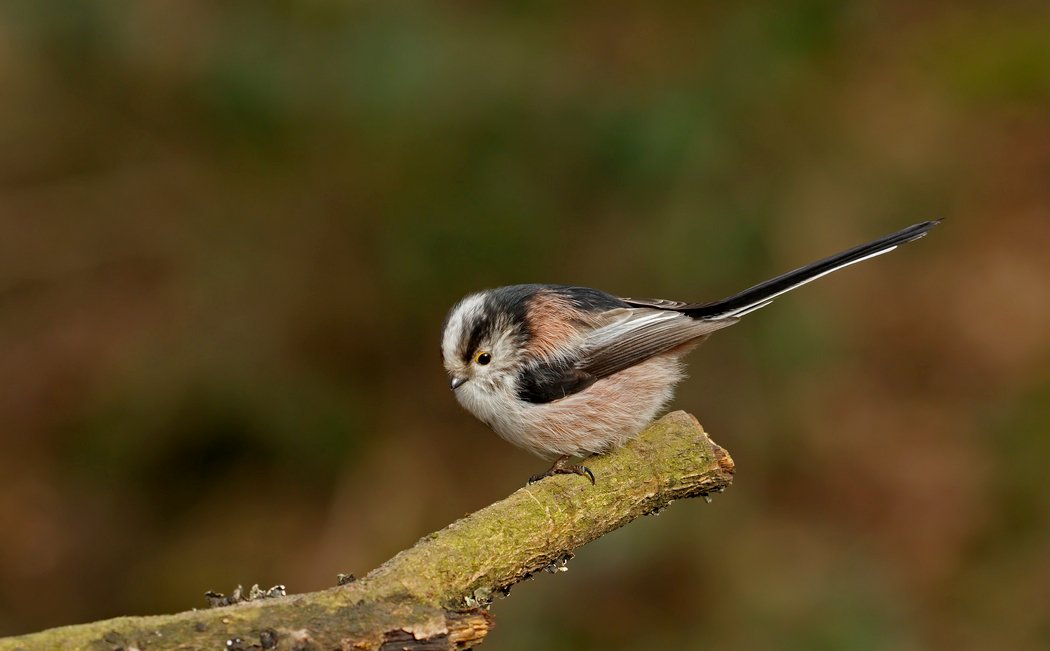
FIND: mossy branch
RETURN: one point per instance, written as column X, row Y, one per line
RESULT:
column 433, row 595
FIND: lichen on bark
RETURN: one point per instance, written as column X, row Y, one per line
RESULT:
column 434, row 595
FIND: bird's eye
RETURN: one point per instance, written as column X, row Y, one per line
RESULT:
column 483, row 358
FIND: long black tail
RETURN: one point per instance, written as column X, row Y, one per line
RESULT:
column 760, row 295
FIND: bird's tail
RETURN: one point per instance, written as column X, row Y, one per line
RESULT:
column 762, row 294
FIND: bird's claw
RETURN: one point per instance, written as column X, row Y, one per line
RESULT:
column 560, row 467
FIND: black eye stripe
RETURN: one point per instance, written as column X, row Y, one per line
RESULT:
column 499, row 315
column 480, row 328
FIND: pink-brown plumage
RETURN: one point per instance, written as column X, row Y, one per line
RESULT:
column 604, row 416
column 553, row 322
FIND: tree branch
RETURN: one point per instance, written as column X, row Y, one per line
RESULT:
column 433, row 595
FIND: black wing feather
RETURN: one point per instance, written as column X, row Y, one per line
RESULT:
column 631, row 337
column 634, row 342
column 550, row 381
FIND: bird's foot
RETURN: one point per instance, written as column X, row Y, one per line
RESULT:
column 563, row 467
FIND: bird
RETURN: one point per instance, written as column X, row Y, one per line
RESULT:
column 569, row 372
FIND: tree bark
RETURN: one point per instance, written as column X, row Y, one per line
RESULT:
column 435, row 595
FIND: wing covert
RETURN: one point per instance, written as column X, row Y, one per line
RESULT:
column 639, row 335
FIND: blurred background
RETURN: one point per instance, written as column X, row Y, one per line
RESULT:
column 229, row 232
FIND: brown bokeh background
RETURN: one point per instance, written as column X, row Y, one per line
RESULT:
column 229, row 232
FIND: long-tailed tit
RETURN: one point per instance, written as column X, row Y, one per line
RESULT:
column 570, row 371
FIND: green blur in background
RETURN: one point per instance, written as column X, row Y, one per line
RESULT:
column 229, row 232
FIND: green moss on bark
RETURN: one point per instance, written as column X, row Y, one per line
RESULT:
column 431, row 594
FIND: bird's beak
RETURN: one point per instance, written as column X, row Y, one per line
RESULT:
column 457, row 382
